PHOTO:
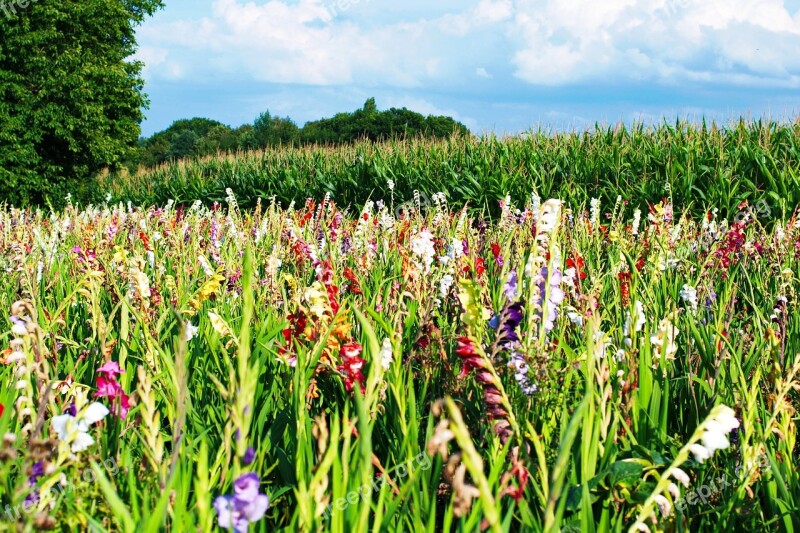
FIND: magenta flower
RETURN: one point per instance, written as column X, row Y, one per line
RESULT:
column 109, row 387
column 244, row 507
column 110, row 369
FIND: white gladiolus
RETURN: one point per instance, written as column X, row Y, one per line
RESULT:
column 190, row 332
column 445, row 284
column 699, row 452
column 594, row 211
column 663, row 505
column 386, row 354
column 422, row 246
column 549, row 215
column 637, row 219
column 674, row 491
column 689, row 295
column 715, row 434
column 681, row 476
column 75, row 430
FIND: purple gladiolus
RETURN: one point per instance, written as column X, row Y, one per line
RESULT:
column 249, row 456
column 512, row 317
column 555, row 297
column 244, row 507
column 510, row 287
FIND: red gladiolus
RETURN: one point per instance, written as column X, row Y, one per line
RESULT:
column 472, row 360
column 480, row 266
column 350, row 276
column 145, row 240
column 625, row 287
column 351, row 366
column 576, row 262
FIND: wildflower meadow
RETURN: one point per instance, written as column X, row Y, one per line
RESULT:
column 556, row 366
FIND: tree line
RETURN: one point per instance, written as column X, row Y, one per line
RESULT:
column 199, row 137
column 72, row 101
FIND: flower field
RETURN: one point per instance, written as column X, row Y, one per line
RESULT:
column 314, row 367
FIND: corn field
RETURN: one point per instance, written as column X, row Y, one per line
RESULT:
column 695, row 166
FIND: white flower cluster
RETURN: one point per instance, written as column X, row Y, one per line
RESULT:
column 689, row 295
column 664, row 340
column 386, row 354
column 594, row 211
column 422, row 246
column 74, row 430
column 630, row 325
column 715, row 434
column 637, row 220
column 444, row 286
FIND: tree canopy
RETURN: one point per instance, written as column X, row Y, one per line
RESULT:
column 200, row 136
column 71, row 99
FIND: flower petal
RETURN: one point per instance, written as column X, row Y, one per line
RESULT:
column 245, row 489
column 59, row 424
column 224, row 507
column 82, row 442
column 255, row 510
column 94, row 413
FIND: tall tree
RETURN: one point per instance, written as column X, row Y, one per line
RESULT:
column 71, row 98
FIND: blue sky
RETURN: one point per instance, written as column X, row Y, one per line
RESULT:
column 503, row 66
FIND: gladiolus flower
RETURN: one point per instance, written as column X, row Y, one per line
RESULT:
column 351, row 366
column 244, row 507
column 74, row 430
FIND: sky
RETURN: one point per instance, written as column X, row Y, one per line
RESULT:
column 498, row 66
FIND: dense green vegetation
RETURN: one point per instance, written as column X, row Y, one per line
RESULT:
column 550, row 371
column 694, row 165
column 202, row 137
column 70, row 99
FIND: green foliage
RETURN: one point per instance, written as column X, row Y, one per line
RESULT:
column 70, row 98
column 200, row 137
column 232, row 327
column 369, row 123
column 695, row 166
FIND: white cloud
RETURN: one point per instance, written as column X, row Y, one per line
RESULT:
column 542, row 42
column 752, row 42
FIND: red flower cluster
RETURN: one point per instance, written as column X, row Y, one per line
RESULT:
column 109, row 387
column 325, row 276
column 576, row 262
column 732, row 245
column 625, row 287
column 491, row 394
column 521, row 474
column 350, row 276
column 351, row 366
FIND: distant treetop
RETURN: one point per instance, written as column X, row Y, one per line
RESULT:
column 200, row 136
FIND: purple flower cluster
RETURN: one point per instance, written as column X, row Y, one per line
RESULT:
column 507, row 324
column 244, row 507
column 554, row 298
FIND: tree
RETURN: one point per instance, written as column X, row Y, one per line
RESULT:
column 271, row 131
column 71, row 100
column 369, row 123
